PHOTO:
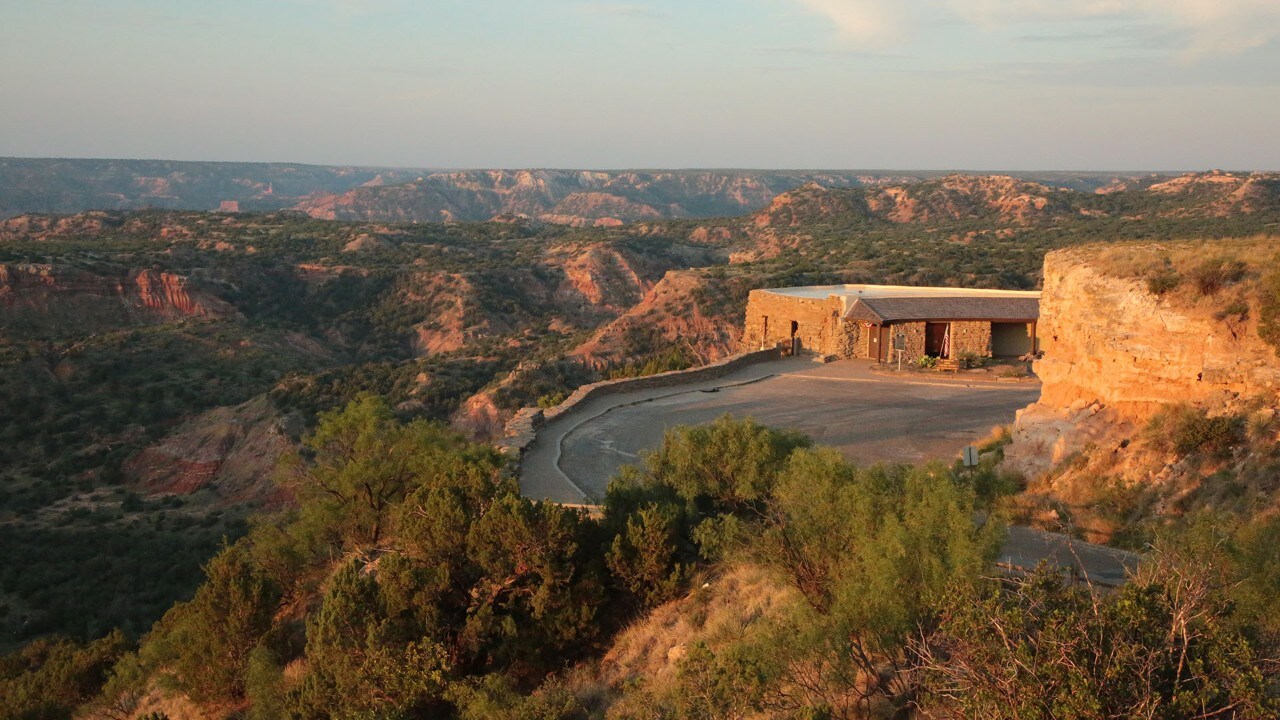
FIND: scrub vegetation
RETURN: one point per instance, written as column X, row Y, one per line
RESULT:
column 413, row 581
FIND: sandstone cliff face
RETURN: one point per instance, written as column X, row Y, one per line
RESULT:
column 456, row 317
column 1115, row 354
column 957, row 197
column 809, row 203
column 672, row 312
column 40, row 298
column 231, row 450
column 600, row 278
column 598, row 209
column 1215, row 193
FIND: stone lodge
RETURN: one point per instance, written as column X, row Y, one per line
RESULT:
column 872, row 321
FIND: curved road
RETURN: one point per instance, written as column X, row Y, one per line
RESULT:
column 868, row 417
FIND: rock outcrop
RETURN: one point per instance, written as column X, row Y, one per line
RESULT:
column 232, row 451
column 1115, row 354
column 55, row 185
column 37, row 299
column 672, row 312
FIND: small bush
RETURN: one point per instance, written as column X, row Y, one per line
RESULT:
column 1261, row 426
column 1163, row 282
column 1269, row 310
column 1015, row 371
column 970, row 359
column 1238, row 310
column 1187, row 429
column 551, row 400
column 927, row 361
column 1213, row 275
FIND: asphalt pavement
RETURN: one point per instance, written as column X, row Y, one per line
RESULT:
column 869, row 417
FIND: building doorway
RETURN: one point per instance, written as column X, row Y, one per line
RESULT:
column 1011, row 339
column 937, row 340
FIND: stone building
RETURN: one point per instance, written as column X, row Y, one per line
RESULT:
column 871, row 321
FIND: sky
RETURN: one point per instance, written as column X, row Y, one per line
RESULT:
column 885, row 84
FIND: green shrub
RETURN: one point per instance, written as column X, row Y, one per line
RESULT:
column 1166, row 641
column 551, row 400
column 927, row 361
column 50, row 677
column 1214, row 274
column 1163, row 282
column 496, row 697
column 1269, row 310
column 970, row 359
column 729, row 464
column 1186, row 429
column 1239, row 310
column 205, row 643
column 642, row 557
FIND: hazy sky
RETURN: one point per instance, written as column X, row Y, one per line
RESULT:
column 908, row 84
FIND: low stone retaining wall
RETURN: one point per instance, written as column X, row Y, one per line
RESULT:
column 522, row 429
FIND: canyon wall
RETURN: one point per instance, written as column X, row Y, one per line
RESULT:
column 42, row 299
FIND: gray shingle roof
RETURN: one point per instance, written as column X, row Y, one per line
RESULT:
column 898, row 309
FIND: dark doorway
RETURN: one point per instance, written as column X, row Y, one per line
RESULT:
column 794, row 327
column 937, row 339
column 1011, row 339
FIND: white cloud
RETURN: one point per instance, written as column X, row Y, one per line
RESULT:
column 1208, row 27
column 876, row 23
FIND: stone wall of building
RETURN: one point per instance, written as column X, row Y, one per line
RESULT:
column 851, row 343
column 915, row 340
column 769, row 318
column 974, row 337
column 966, row 336
column 821, row 329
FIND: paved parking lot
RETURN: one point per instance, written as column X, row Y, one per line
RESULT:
column 866, row 416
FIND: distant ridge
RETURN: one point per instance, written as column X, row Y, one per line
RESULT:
column 561, row 196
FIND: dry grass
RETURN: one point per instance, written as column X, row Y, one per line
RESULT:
column 999, row 436
column 723, row 608
column 177, row 707
column 719, row 610
column 1142, row 259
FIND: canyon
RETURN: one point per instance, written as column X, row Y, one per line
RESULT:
column 175, row 356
